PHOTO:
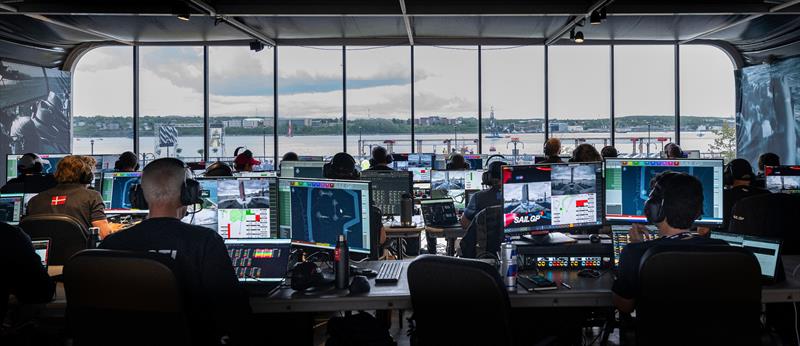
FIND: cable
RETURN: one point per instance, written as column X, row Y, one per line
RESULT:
column 794, row 272
column 796, row 330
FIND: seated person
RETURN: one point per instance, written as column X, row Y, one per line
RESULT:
column 585, row 153
column 764, row 161
column 552, row 150
column 218, row 169
column 22, row 270
column 30, row 178
column 343, row 166
column 72, row 196
column 681, row 198
column 738, row 178
column 245, row 162
column 609, row 151
column 457, row 163
column 672, row 151
column 127, row 162
column 380, row 160
column 481, row 200
column 217, row 305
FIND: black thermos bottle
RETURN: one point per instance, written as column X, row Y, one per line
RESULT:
column 341, row 260
column 406, row 210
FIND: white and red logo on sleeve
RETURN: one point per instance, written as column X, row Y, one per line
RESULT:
column 58, row 200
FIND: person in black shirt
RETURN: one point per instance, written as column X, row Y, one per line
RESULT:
column 681, row 199
column 764, row 161
column 738, row 177
column 218, row 306
column 127, row 162
column 457, row 163
column 30, row 178
column 481, row 200
column 21, row 268
column 380, row 160
column 585, row 153
column 552, row 150
column 672, row 151
column 72, row 197
column 609, row 151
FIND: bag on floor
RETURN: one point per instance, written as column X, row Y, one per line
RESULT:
column 361, row 329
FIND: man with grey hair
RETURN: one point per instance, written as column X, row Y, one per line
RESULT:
column 217, row 305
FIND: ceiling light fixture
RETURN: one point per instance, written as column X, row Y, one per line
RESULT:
column 579, row 37
column 256, row 46
column 595, row 19
column 603, row 14
column 181, row 10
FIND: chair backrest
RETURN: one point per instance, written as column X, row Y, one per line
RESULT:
column 458, row 302
column 122, row 297
column 698, row 295
column 67, row 235
column 484, row 234
column 769, row 215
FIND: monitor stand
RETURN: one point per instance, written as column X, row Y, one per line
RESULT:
column 553, row 238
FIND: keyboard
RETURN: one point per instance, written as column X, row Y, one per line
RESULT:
column 389, row 272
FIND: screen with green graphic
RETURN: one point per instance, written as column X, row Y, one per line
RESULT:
column 244, row 223
column 238, row 207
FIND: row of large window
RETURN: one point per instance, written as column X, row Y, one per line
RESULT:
column 581, row 89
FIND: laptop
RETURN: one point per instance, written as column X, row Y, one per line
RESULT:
column 11, row 208
column 440, row 213
column 766, row 250
column 620, row 239
column 42, row 248
column 260, row 264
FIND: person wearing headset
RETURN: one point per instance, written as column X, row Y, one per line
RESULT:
column 127, row 162
column 737, row 178
column 457, row 163
column 764, row 161
column 245, row 162
column 343, row 166
column 672, row 151
column 552, row 150
column 218, row 169
column 484, row 199
column 217, row 305
column 381, row 159
column 676, row 200
column 72, row 197
column 30, row 178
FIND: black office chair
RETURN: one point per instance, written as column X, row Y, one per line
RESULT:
column 67, row 235
column 484, row 234
column 121, row 297
column 458, row 302
column 698, row 295
column 771, row 215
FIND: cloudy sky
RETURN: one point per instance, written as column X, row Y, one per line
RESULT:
column 378, row 85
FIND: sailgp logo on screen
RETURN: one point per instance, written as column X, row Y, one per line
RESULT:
column 527, row 218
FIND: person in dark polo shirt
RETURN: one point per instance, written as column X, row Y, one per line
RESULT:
column 72, row 196
column 681, row 198
column 30, row 178
column 380, row 160
column 482, row 200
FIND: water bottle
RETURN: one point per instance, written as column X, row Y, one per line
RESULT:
column 406, row 210
column 508, row 266
column 341, row 259
column 94, row 237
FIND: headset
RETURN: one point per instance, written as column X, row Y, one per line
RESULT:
column 449, row 165
column 331, row 170
column 190, row 193
column 30, row 162
column 654, row 206
column 236, row 151
column 727, row 175
column 388, row 157
column 218, row 169
column 486, row 177
column 118, row 164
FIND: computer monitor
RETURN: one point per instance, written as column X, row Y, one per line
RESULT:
column 388, row 188
column 11, row 208
column 475, row 161
column 316, row 212
column 262, row 174
column 627, row 186
column 439, row 212
column 538, row 199
column 620, row 239
column 26, row 198
column 105, row 163
column 302, row 169
column 310, row 158
column 259, row 260
column 116, row 189
column 49, row 163
column 766, row 250
column 784, row 179
column 449, row 184
column 42, row 248
column 238, row 207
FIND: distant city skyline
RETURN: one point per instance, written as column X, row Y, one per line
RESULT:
column 379, row 82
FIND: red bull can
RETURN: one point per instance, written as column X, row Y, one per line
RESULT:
column 508, row 266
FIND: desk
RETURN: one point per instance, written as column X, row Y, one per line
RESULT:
column 448, row 233
column 400, row 233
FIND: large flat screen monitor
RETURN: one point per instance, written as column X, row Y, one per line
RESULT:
column 49, row 163
column 302, row 169
column 116, row 189
column 316, row 212
column 784, row 179
column 628, row 186
column 388, row 188
column 456, row 185
column 238, row 207
column 538, row 199
column 11, row 208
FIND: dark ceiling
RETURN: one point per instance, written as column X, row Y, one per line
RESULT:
column 44, row 32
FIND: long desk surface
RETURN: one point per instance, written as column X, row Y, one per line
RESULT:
column 585, row 292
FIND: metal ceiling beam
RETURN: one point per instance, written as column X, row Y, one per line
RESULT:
column 571, row 24
column 79, row 29
column 407, row 22
column 8, row 8
column 235, row 23
column 774, row 9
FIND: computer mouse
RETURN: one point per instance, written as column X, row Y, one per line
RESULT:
column 589, row 273
column 359, row 285
column 594, row 238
